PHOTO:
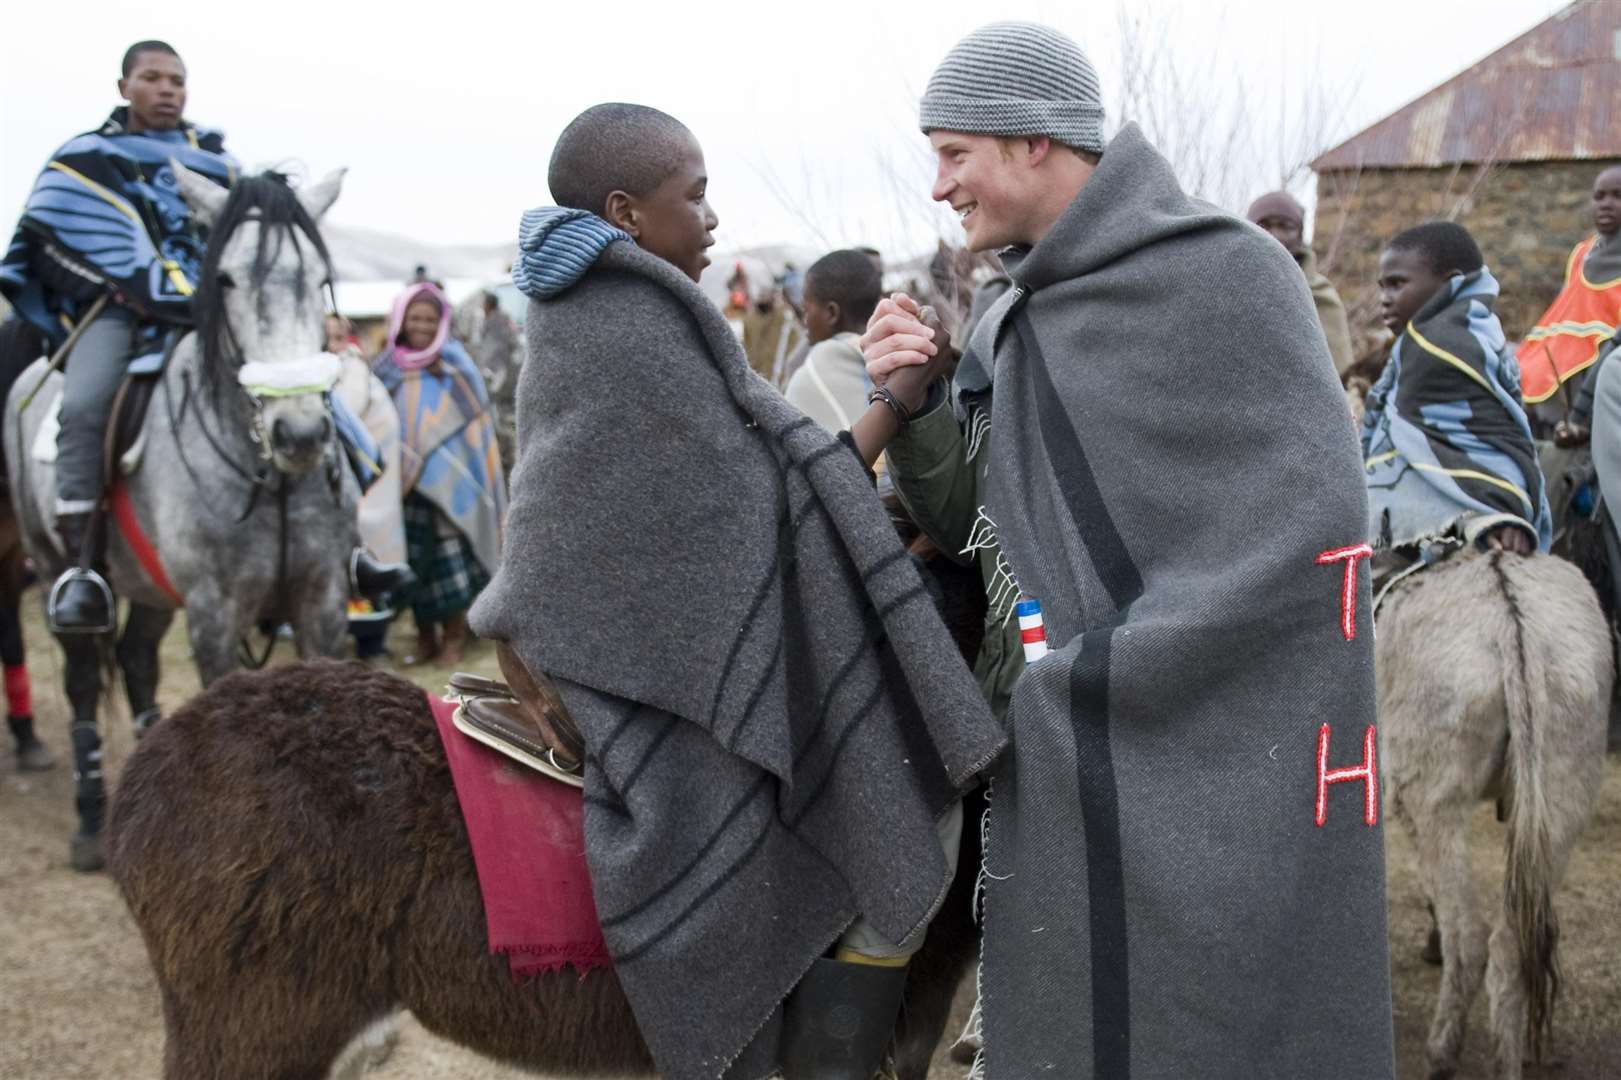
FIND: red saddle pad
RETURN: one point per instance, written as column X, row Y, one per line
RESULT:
column 528, row 845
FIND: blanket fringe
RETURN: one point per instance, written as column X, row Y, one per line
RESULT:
column 1003, row 591
column 975, row 1027
column 982, row 535
column 979, row 426
column 527, row 962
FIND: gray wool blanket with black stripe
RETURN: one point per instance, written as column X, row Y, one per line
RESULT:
column 775, row 715
column 1170, row 454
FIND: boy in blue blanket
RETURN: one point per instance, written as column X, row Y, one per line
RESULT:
column 107, row 245
column 1446, row 443
column 105, row 219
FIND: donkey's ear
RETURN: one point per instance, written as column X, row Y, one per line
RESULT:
column 205, row 197
column 319, row 199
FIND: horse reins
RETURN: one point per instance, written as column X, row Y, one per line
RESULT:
column 257, row 482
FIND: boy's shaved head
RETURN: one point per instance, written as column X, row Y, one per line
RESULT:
column 848, row 278
column 615, row 147
column 1445, row 246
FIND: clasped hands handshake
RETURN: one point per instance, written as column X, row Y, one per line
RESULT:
column 906, row 349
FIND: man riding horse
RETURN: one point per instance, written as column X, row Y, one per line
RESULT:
column 108, row 255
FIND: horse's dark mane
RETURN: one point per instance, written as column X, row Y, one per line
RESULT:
column 267, row 198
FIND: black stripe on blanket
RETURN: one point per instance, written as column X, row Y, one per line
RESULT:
column 795, row 520
column 698, row 856
column 833, row 755
column 875, row 634
column 697, row 901
column 789, row 523
column 631, row 709
column 1105, row 874
column 767, row 673
column 1089, row 714
column 670, row 722
column 1104, row 545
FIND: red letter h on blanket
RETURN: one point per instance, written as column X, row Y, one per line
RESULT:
column 1367, row 772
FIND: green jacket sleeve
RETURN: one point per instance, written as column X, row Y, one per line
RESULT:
column 929, row 467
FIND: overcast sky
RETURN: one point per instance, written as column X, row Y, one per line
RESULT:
column 445, row 113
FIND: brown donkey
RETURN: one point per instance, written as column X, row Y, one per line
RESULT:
column 292, row 849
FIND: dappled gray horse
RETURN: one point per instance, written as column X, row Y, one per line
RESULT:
column 239, row 488
column 1494, row 675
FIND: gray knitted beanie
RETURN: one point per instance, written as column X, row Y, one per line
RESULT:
column 1016, row 78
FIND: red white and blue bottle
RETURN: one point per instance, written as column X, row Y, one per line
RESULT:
column 1032, row 630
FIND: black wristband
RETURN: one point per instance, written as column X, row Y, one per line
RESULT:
column 903, row 416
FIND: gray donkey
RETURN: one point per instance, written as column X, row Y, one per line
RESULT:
column 1494, row 674
column 239, row 489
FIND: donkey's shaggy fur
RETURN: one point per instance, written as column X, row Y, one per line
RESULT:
column 1494, row 676
column 291, row 847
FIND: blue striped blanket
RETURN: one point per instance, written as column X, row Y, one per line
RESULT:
column 1445, row 432
column 106, row 214
column 447, row 445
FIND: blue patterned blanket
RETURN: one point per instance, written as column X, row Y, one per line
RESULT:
column 447, row 445
column 106, row 214
column 1447, row 412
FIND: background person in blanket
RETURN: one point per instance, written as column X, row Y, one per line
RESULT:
column 1280, row 214
column 1077, row 476
column 1446, row 441
column 734, row 840
column 454, row 496
column 841, row 291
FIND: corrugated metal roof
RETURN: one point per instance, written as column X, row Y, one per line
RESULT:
column 1551, row 94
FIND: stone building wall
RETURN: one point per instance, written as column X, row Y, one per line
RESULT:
column 1526, row 217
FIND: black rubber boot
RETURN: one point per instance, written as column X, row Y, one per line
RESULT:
column 85, row 852
column 376, row 580
column 837, row 1022
column 31, row 753
column 80, row 601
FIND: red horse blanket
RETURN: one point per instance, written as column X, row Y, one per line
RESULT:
column 529, row 849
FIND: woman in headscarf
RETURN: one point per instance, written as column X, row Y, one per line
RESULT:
column 454, row 499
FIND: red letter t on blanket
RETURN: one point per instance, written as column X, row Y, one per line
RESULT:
column 1348, row 556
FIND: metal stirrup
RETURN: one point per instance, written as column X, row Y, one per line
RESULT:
column 68, row 576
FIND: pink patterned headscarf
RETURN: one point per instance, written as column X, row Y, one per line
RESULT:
column 407, row 359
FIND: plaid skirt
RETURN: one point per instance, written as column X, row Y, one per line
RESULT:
column 449, row 576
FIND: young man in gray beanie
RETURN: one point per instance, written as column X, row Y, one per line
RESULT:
column 1184, row 869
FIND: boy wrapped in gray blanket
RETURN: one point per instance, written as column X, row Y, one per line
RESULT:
column 776, row 720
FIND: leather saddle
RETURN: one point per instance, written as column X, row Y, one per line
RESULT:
column 523, row 718
column 126, row 420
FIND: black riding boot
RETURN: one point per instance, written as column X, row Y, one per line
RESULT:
column 376, row 580
column 838, row 1021
column 81, row 601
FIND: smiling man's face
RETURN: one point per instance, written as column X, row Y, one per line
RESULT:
column 987, row 181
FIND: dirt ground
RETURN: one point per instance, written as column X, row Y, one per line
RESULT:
column 77, row 999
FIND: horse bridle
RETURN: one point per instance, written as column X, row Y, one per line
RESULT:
column 261, row 382
column 257, row 390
